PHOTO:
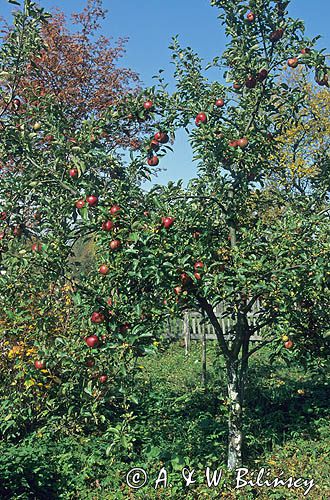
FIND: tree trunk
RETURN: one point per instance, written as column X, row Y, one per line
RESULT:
column 235, row 395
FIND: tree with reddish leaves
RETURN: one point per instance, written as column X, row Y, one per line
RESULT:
column 78, row 70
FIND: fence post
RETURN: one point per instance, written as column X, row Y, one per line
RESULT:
column 204, row 357
column 186, row 331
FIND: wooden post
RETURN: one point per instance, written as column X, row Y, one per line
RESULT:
column 186, row 331
column 204, row 357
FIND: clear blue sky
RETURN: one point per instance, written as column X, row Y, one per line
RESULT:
column 150, row 24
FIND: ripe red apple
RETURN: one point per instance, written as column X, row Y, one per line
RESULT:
column 219, row 103
column 154, row 145
column 109, row 301
column 250, row 17
column 250, row 82
column 17, row 231
column 115, row 209
column 97, row 317
column 90, row 362
column 148, row 104
column 185, row 278
column 177, row 290
column 80, row 204
column 243, row 142
column 262, row 75
column 161, row 137
column 305, row 51
column 39, row 365
column 2, row 235
column 196, row 234
column 167, row 221
column 198, row 265
column 3, row 215
column 36, row 247
column 153, row 161
column 73, row 172
column 92, row 340
column 233, row 143
column 276, row 35
column 92, row 200
column 201, row 118
column 126, row 326
column 197, row 276
column 103, row 379
column 103, row 269
column 107, row 225
column 146, row 213
column 288, row 344
column 237, row 86
column 115, row 244
column 293, row 62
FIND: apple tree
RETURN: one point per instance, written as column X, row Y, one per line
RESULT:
column 233, row 235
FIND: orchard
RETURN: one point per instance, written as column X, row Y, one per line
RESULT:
column 252, row 226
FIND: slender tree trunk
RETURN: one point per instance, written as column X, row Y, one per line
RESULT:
column 235, row 395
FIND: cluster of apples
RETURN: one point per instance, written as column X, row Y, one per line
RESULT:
column 288, row 344
column 92, row 200
column 155, row 144
column 186, row 279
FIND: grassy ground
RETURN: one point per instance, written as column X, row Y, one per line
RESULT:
column 179, row 423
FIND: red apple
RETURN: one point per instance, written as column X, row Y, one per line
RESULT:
column 103, row 379
column 73, row 172
column 115, row 244
column 276, row 35
column 250, row 82
column 3, row 215
column 146, row 213
column 198, row 265
column 49, row 138
column 103, row 269
column 97, row 317
column 250, row 17
column 161, row 137
column 305, row 51
column 2, row 235
column 92, row 340
column 177, row 290
column 293, row 62
column 17, row 231
column 80, row 204
column 262, row 75
column 201, row 118
column 126, row 326
column 148, row 104
column 39, row 365
column 153, row 161
column 237, row 86
column 288, row 344
column 154, row 145
column 92, row 200
column 219, row 103
column 115, row 209
column 243, row 142
column 167, row 222
column 185, row 278
column 196, row 234
column 233, row 143
column 36, row 247
column 107, row 225
column 197, row 276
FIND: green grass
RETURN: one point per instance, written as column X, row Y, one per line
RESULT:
column 177, row 423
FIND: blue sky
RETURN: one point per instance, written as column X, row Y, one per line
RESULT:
column 150, row 24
